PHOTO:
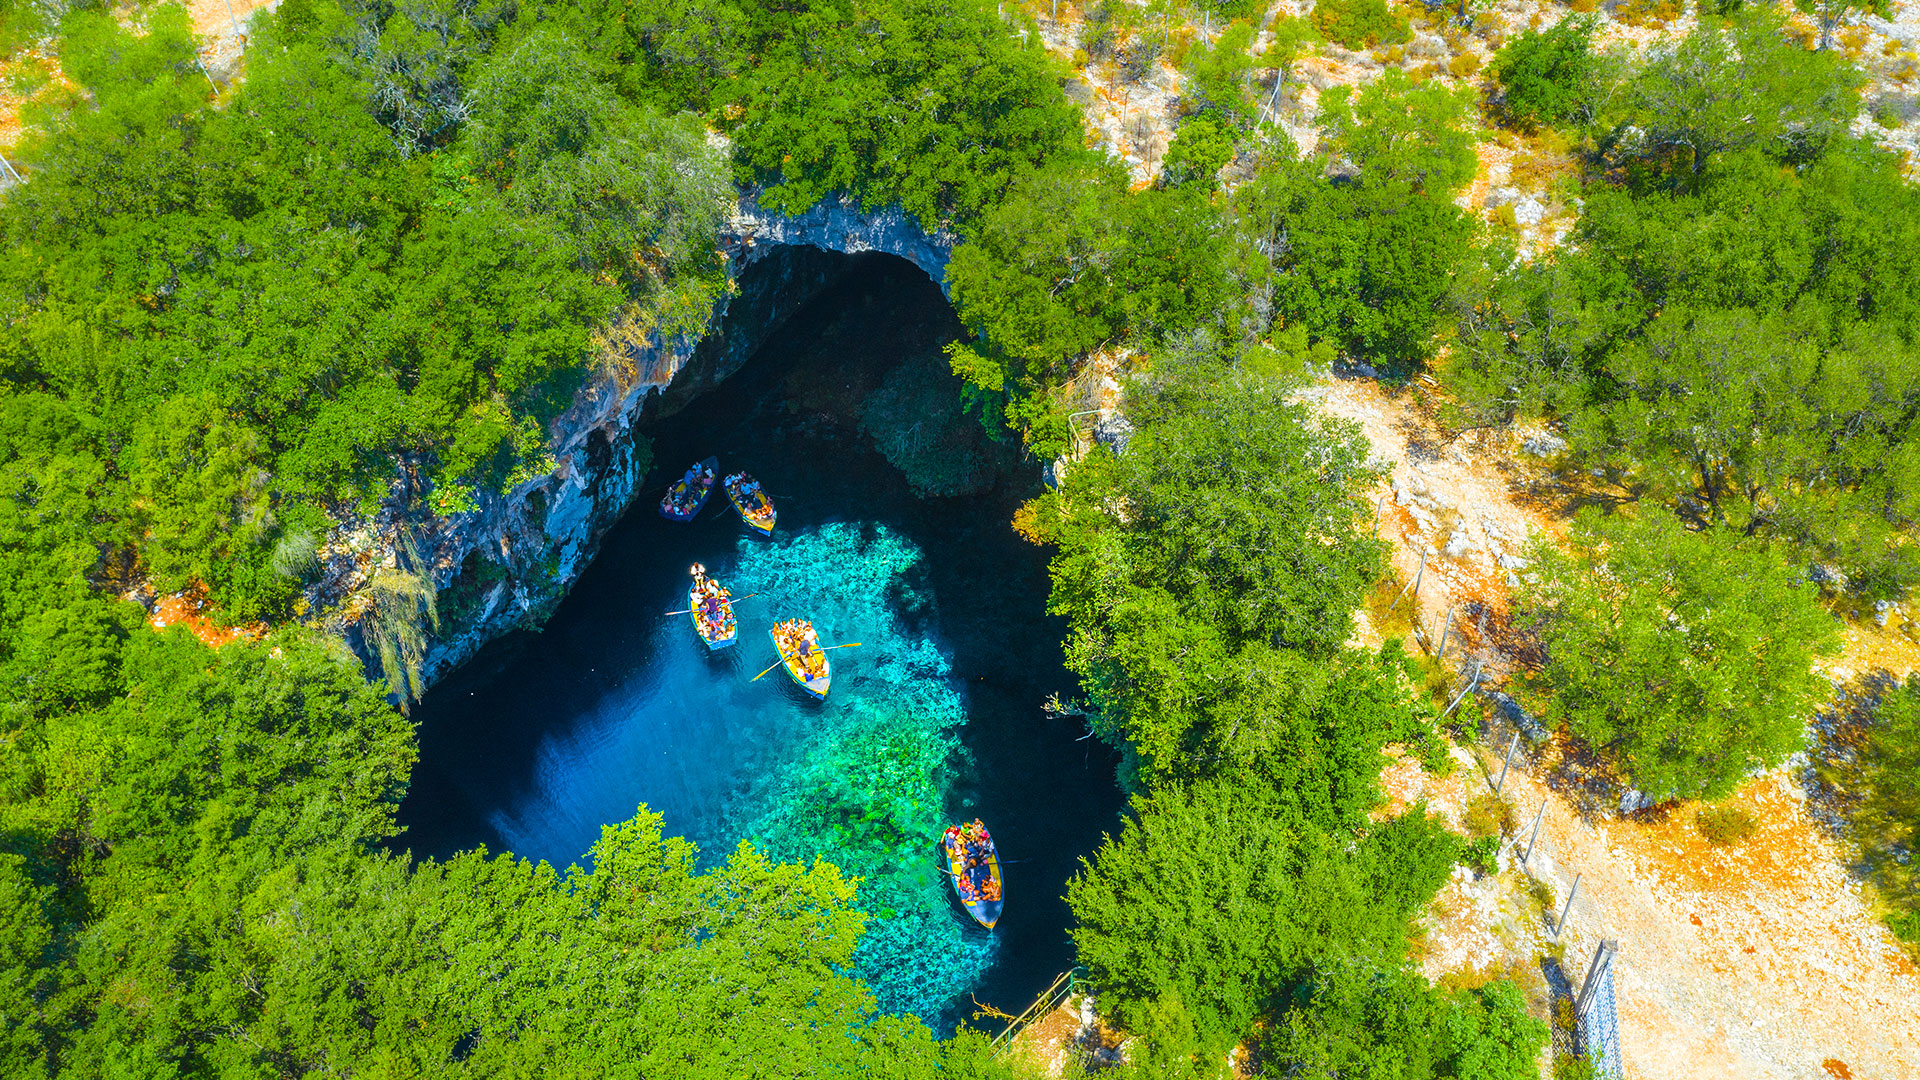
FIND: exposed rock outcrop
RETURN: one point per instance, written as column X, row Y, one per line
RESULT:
column 506, row 563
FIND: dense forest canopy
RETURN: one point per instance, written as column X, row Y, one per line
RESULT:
column 374, row 271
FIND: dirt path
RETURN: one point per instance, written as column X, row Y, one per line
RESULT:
column 1762, row 959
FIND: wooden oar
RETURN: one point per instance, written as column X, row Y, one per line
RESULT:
column 730, row 600
column 783, row 659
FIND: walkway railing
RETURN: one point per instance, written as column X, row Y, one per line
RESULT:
column 1049, row 1000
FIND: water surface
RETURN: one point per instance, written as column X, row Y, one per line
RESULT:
column 936, row 716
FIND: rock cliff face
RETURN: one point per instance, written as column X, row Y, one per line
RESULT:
column 506, row 564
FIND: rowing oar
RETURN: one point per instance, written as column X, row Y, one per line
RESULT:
column 783, row 659
column 730, row 600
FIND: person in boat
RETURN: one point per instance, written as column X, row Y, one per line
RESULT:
column 990, row 890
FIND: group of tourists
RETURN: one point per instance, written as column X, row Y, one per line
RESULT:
column 797, row 639
column 711, row 605
column 690, row 488
column 748, row 491
column 971, row 847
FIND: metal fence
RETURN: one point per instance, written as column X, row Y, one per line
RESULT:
column 1597, row 1018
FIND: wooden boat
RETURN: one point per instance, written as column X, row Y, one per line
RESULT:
column 712, row 616
column 800, row 651
column 975, row 886
column 755, row 505
column 689, row 493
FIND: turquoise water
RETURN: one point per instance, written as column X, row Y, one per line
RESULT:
column 935, row 717
column 860, row 780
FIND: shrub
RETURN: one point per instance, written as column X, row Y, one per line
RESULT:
column 1358, row 24
column 1549, row 77
column 1201, row 148
column 1685, row 655
column 1464, row 65
column 1722, row 825
column 1488, row 815
column 1483, row 855
column 1888, row 821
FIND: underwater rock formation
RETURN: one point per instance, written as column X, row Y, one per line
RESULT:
column 506, row 563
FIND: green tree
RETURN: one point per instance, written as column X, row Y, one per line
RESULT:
column 1725, row 88
column 1211, row 898
column 1357, row 24
column 1355, row 1020
column 1200, row 149
column 1887, row 822
column 1217, row 72
column 930, row 104
column 1551, row 76
column 1684, row 655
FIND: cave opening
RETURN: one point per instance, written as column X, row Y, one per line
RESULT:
column 827, row 381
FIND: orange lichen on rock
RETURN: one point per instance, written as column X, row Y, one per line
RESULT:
column 188, row 610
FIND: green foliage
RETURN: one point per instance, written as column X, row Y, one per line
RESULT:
column 256, row 313
column 1069, row 262
column 1212, row 899
column 1726, row 88
column 930, row 104
column 1683, row 654
column 1887, row 822
column 1740, row 349
column 1397, row 133
column 1366, row 265
column 1216, row 76
column 1360, row 1020
column 1828, row 14
column 1358, row 24
column 1234, row 505
column 1200, row 149
column 1551, row 76
column 635, row 192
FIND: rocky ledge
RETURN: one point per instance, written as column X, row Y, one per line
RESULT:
column 505, row 564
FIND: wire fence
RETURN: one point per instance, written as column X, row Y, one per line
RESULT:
column 1599, row 1022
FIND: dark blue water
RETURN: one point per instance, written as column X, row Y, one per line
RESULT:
column 935, row 717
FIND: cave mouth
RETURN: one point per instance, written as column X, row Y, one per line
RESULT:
column 893, row 532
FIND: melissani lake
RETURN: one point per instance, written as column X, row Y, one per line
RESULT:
column 936, row 716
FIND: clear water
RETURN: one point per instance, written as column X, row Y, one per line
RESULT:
column 934, row 717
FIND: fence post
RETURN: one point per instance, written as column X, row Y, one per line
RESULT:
column 1413, row 588
column 1471, row 686
column 1535, row 835
column 1561, row 922
column 1602, row 960
column 7, row 165
column 1441, row 652
column 1512, row 745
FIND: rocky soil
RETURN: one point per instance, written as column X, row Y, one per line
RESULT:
column 1761, row 959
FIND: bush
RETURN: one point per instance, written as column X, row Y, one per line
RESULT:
column 1887, row 824
column 1482, row 856
column 1488, row 815
column 1685, row 655
column 1358, row 24
column 1463, row 65
column 1549, row 77
column 1722, row 825
column 1201, row 148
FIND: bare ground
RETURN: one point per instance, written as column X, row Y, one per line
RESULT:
column 1761, row 959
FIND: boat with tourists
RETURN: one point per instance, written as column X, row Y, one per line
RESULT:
column 974, row 869
column 711, row 605
column 689, row 493
column 800, row 652
column 753, row 503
